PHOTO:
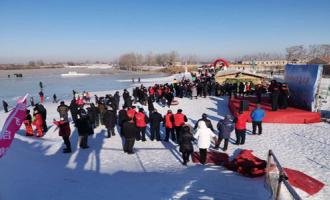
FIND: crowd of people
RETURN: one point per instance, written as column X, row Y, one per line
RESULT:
column 133, row 123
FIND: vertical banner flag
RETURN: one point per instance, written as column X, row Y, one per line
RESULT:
column 12, row 125
column 303, row 82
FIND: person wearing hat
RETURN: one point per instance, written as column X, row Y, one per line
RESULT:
column 110, row 119
column 179, row 121
column 225, row 128
column 168, row 123
column 64, row 132
column 155, row 119
column 207, row 122
column 141, row 121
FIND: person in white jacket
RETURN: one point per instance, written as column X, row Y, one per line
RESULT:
column 204, row 137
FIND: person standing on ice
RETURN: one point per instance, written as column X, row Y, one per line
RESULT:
column 64, row 131
column 5, row 106
column 204, row 137
column 54, row 98
column 257, row 115
column 225, row 127
column 130, row 132
column 28, row 124
column 42, row 97
column 141, row 121
column 185, row 142
column 116, row 97
column 110, row 118
column 179, row 121
column 240, row 127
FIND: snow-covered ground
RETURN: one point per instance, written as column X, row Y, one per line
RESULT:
column 35, row 168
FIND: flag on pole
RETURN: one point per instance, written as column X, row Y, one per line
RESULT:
column 12, row 125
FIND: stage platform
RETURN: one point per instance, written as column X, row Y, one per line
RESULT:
column 288, row 116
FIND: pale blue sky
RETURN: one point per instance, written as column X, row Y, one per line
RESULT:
column 103, row 29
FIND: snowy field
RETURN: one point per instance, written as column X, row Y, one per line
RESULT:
column 36, row 168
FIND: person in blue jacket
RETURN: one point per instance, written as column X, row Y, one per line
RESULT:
column 257, row 116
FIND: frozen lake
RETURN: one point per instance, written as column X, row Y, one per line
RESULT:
column 98, row 80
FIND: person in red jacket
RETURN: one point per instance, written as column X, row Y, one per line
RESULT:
column 131, row 112
column 38, row 122
column 64, row 131
column 169, row 127
column 28, row 124
column 179, row 121
column 240, row 127
column 141, row 121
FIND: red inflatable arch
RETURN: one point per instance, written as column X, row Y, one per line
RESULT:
column 225, row 62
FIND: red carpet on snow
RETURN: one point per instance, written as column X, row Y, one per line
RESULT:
column 303, row 181
column 288, row 116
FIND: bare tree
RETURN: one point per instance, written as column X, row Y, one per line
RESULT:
column 295, row 53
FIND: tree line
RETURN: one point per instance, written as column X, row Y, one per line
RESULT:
column 132, row 61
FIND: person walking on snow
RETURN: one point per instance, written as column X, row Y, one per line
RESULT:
column 204, row 137
column 225, row 127
column 257, row 116
column 185, row 142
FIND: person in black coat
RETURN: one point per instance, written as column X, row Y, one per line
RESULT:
column 122, row 117
column 151, row 107
column 74, row 110
column 110, row 119
column 129, row 132
column 82, row 124
column 275, row 94
column 91, row 116
column 5, row 106
column 185, row 141
column 116, row 97
column 283, row 96
column 207, row 122
column 155, row 120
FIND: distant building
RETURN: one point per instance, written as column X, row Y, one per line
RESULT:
column 233, row 76
column 325, row 61
column 268, row 63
